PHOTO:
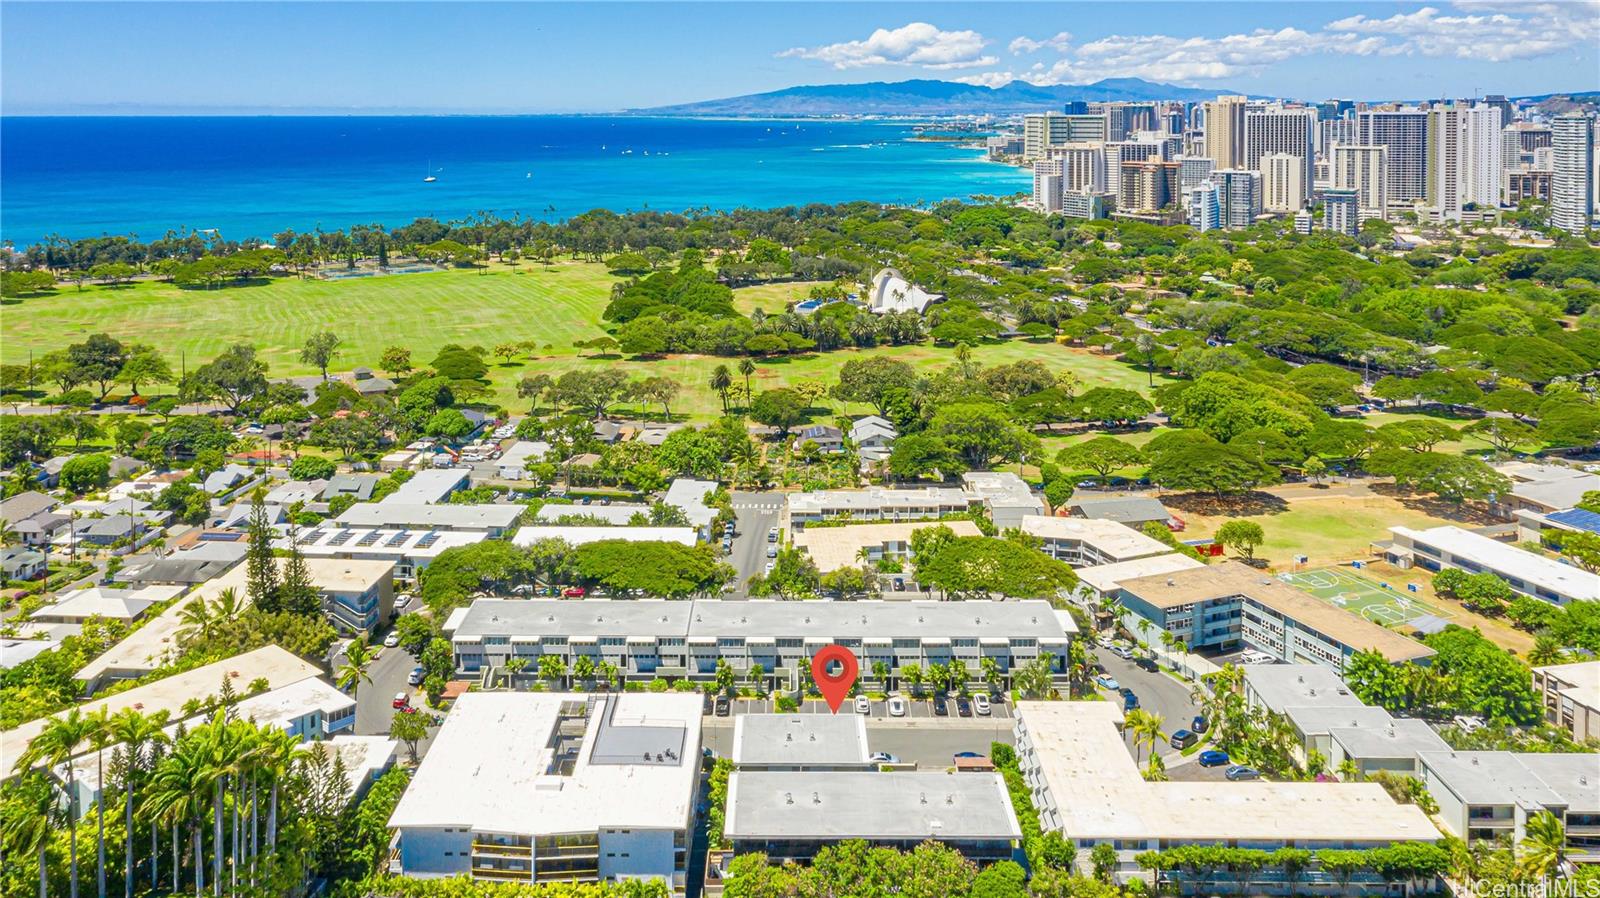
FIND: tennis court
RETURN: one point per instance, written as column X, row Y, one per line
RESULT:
column 1344, row 588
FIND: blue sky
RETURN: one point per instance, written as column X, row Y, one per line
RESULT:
column 555, row 57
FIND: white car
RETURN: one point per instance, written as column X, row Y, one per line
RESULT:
column 863, row 705
column 897, row 706
column 980, row 705
column 392, row 640
column 1122, row 651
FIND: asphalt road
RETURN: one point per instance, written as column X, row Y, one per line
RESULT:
column 375, row 700
column 1159, row 693
column 756, row 514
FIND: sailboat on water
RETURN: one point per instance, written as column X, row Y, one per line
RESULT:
column 428, row 177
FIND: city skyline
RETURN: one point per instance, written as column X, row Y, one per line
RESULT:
column 533, row 58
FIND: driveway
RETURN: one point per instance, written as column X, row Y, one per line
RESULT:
column 1159, row 693
column 755, row 515
column 375, row 700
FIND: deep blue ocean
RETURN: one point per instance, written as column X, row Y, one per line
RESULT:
column 254, row 176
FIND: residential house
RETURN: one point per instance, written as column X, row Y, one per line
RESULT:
column 21, row 563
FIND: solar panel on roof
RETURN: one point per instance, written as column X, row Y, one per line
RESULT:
column 342, row 537
column 398, row 538
column 369, row 538
column 1579, row 518
column 428, row 539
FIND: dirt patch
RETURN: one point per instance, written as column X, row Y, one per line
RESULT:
column 1244, row 505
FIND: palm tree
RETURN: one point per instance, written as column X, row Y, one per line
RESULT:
column 357, row 656
column 176, row 797
column 135, row 731
column 100, row 737
column 1546, row 650
column 275, row 758
column 747, row 368
column 1146, row 345
column 1544, row 847
column 55, row 745
column 608, row 673
column 195, row 621
column 721, row 380
column 27, row 819
column 880, row 672
column 757, row 675
column 912, row 674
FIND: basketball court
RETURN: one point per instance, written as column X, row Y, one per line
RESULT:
column 1377, row 602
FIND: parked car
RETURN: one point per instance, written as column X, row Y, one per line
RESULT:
column 1107, row 681
column 772, row 551
column 897, row 706
column 722, row 706
column 772, row 535
column 863, row 705
column 416, row 676
column 941, row 708
column 1212, row 757
column 968, row 754
column 882, row 757
column 899, row 584
column 963, row 708
column 1122, row 651
column 392, row 640
column 1129, row 701
column 1183, row 739
column 574, row 592
column 402, row 700
column 1147, row 664
column 980, row 704
column 1240, row 772
column 1199, row 724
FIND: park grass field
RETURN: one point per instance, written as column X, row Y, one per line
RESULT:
column 1327, row 530
column 548, row 307
column 1391, row 605
column 771, row 298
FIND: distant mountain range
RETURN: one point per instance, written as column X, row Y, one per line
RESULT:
column 928, row 97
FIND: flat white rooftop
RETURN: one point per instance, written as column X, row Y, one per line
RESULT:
column 800, row 740
column 392, row 515
column 833, row 548
column 1109, row 538
column 1107, row 578
column 492, row 768
column 100, row 601
column 277, row 666
column 690, row 495
column 1507, row 560
column 619, row 514
column 577, row 536
column 1283, row 686
column 329, row 542
column 901, row 805
column 428, row 486
column 932, row 498
column 1100, row 794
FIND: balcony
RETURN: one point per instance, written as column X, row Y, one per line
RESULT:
column 495, row 848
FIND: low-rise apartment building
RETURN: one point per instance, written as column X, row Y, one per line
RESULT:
column 685, row 639
column 494, row 519
column 1571, row 694
column 832, row 548
column 874, row 504
column 1528, row 574
column 542, row 787
column 1486, row 795
column 1088, row 542
column 410, row 551
column 1225, row 606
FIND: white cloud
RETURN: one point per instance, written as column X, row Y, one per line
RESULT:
column 1024, row 44
column 1488, row 30
column 916, row 44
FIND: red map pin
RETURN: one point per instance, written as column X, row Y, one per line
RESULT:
column 835, row 687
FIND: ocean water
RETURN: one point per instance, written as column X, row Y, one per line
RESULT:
column 254, row 176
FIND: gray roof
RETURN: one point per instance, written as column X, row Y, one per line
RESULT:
column 116, row 525
column 711, row 618
column 23, row 506
column 1317, row 720
column 457, row 517
column 175, row 569
column 1403, row 738
column 1575, row 776
column 833, row 805
column 14, row 558
column 358, row 485
column 1281, row 686
column 1121, row 510
column 794, row 740
column 1489, row 777
column 48, row 522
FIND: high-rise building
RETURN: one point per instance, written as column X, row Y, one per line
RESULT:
column 1340, row 211
column 1047, row 184
column 1405, row 133
column 1147, row 186
column 1172, row 119
column 1280, row 129
column 1192, row 170
column 1464, row 162
column 1122, row 119
column 1283, row 186
column 1523, row 183
column 1083, row 165
column 1225, row 130
column 1238, row 196
column 1204, row 206
column 1083, row 204
column 1332, row 131
column 1572, row 186
column 1363, row 169
column 1333, row 109
column 1045, row 130
column 1120, row 151
column 1499, row 101
column 1075, row 107
column 1303, row 221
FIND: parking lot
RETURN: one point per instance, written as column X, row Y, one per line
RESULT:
column 915, row 708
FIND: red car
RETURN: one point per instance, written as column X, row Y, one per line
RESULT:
column 574, row 592
column 402, row 700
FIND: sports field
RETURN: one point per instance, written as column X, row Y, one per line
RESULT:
column 548, row 307
column 1393, row 606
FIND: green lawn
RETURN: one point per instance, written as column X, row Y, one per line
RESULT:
column 549, row 306
column 1328, row 530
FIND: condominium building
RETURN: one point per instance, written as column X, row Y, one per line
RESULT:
column 1225, row 130
column 1485, row 796
column 1238, row 196
column 1204, row 208
column 1529, row 574
column 1083, row 166
column 410, row 551
column 1231, row 605
column 1280, row 130
column 1047, row 185
column 1523, row 183
column 1118, row 152
column 832, row 548
column 1341, row 211
column 1083, row 542
column 1006, row 497
column 1364, row 169
column 1571, row 695
column 1464, row 162
column 1048, row 129
column 1572, row 188
column 1283, row 184
column 1147, row 186
column 873, row 504
column 685, row 639
column 1333, row 132
column 1082, row 204
column 1085, row 785
column 1405, row 133
column 1192, row 170
column 1123, row 119
column 494, row 520
column 554, row 787
column 1303, row 222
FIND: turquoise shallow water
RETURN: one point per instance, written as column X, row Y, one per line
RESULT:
column 254, row 176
